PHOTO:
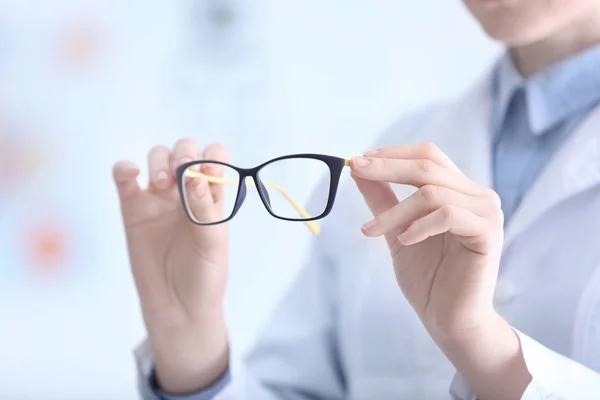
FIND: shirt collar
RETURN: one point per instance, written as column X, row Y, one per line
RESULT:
column 552, row 94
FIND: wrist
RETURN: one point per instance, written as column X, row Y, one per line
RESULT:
column 189, row 358
column 490, row 359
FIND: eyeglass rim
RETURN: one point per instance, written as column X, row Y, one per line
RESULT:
column 335, row 165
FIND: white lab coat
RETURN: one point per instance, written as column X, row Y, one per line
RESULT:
column 346, row 304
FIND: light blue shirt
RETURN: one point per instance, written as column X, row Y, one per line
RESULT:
column 530, row 120
column 533, row 117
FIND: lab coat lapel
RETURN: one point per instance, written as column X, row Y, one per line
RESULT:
column 574, row 169
column 470, row 143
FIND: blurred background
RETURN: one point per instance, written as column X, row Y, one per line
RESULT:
column 84, row 83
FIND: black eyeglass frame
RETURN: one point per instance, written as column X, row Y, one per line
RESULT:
column 335, row 165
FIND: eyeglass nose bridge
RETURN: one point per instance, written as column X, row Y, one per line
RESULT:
column 243, row 191
column 240, row 198
column 262, row 191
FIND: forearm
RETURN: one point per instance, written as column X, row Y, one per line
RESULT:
column 491, row 361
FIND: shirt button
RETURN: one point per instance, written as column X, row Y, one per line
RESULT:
column 505, row 292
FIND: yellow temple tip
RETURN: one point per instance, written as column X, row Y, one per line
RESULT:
column 314, row 227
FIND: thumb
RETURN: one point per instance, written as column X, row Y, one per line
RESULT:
column 125, row 175
column 379, row 196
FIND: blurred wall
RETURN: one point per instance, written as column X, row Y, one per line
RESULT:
column 84, row 83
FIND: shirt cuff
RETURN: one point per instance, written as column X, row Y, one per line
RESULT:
column 150, row 390
column 554, row 375
column 459, row 390
column 207, row 394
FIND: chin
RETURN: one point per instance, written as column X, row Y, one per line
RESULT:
column 522, row 22
column 515, row 36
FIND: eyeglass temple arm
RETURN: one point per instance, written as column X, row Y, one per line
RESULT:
column 312, row 225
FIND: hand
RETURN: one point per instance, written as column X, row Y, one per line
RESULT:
column 445, row 241
column 180, row 269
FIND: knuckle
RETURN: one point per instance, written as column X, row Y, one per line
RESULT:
column 493, row 197
column 426, row 167
column 379, row 222
column 429, row 193
column 498, row 217
column 448, row 213
column 430, row 149
column 378, row 164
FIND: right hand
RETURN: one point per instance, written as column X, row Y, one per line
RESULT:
column 180, row 269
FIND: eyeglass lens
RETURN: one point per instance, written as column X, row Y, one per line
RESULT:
column 287, row 199
column 221, row 180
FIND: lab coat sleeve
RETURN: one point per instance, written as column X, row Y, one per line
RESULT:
column 555, row 377
column 296, row 356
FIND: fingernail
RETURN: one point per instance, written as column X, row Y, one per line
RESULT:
column 360, row 162
column 369, row 225
column 371, row 153
column 161, row 178
column 162, row 175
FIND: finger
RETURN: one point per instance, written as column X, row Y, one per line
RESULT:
column 184, row 151
column 379, row 196
column 216, row 152
column 125, row 175
column 421, row 151
column 413, row 172
column 199, row 201
column 453, row 219
column 424, row 201
column 158, row 167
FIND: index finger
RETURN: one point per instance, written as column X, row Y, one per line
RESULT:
column 216, row 152
column 416, row 173
column 425, row 151
column 184, row 151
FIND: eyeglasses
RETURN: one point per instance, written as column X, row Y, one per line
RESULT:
column 278, row 201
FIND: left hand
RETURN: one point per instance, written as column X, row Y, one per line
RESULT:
column 445, row 239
